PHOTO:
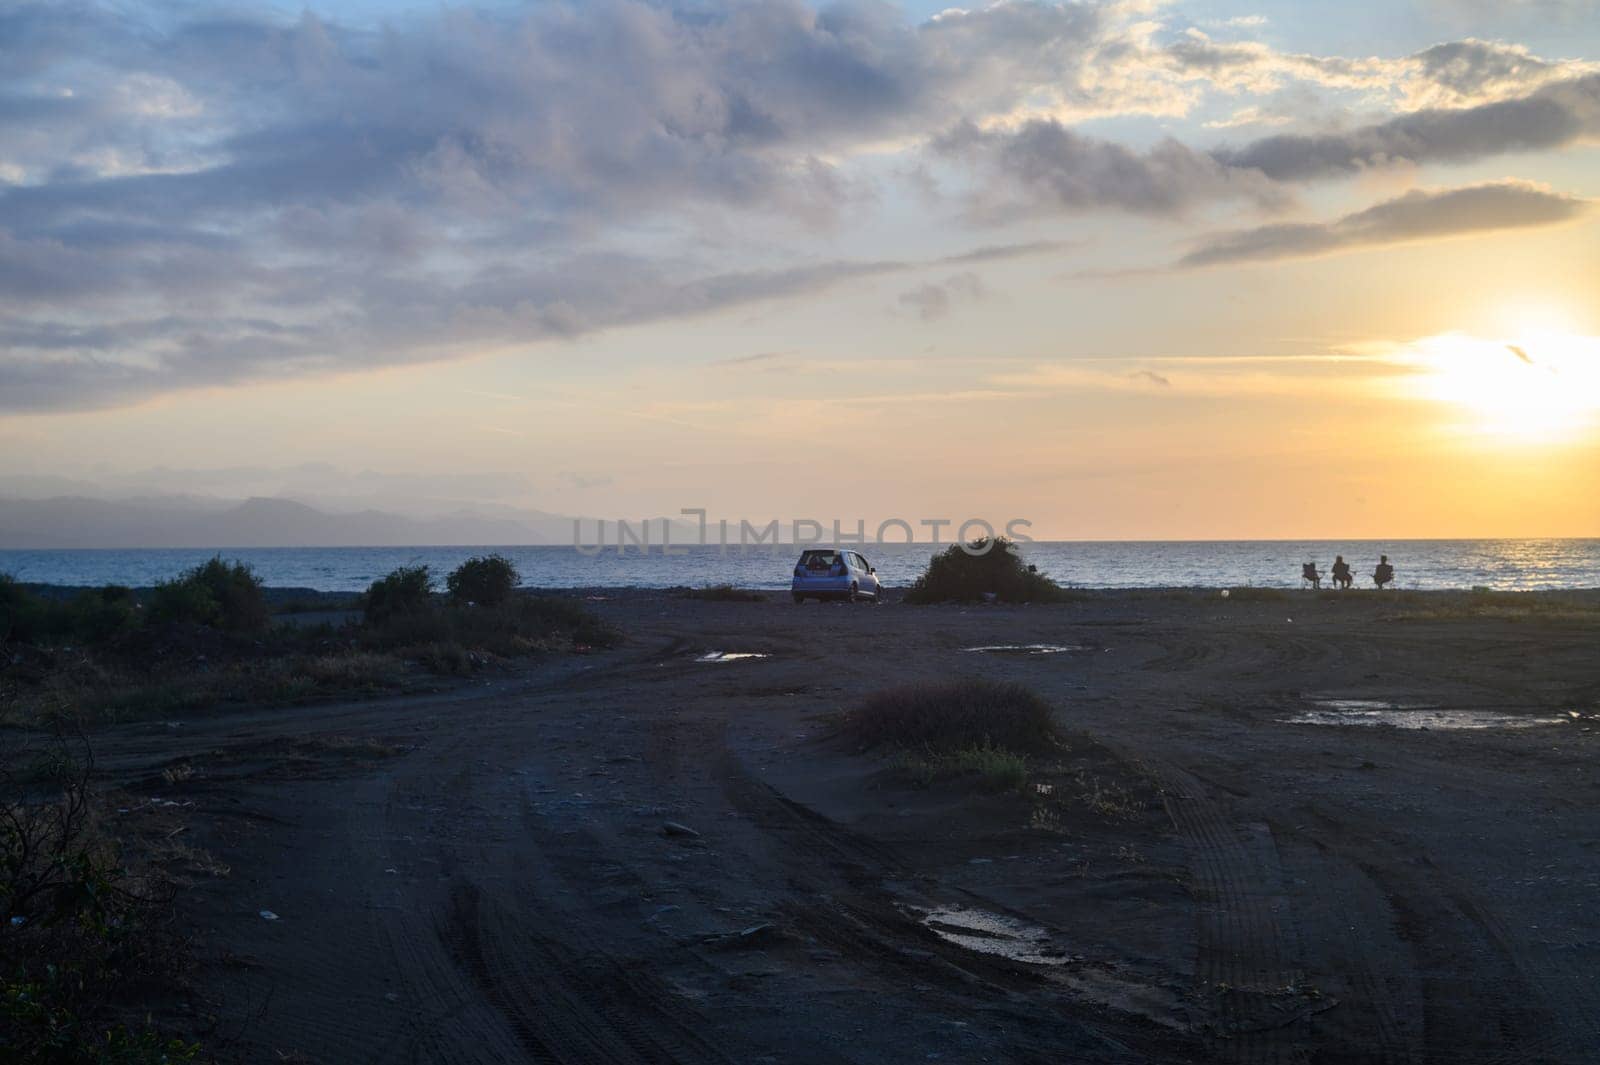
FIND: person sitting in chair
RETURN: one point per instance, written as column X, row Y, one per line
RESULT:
column 1384, row 573
column 1342, row 577
column 1308, row 572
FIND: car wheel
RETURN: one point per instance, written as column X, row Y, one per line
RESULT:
column 855, row 592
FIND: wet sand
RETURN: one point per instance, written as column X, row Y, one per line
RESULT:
column 649, row 856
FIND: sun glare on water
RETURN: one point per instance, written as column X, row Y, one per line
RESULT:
column 1535, row 386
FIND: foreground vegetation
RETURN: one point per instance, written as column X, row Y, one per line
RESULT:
column 208, row 638
column 984, row 570
column 84, row 938
column 980, row 730
column 85, row 908
column 991, row 737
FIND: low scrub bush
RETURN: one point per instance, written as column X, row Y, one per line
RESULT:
column 517, row 626
column 98, row 616
column 993, row 768
column 487, row 580
column 407, row 590
column 984, row 568
column 216, row 594
column 103, row 615
column 21, row 612
column 80, row 936
column 943, row 719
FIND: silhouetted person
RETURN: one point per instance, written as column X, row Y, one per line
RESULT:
column 1384, row 573
column 1342, row 577
column 1308, row 572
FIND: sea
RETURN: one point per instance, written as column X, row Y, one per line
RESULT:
column 1419, row 564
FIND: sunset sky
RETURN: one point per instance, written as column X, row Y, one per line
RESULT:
column 1124, row 269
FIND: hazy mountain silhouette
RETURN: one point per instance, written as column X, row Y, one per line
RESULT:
column 187, row 521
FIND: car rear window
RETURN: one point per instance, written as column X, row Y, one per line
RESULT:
column 819, row 558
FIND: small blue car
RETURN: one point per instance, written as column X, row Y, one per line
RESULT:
column 830, row 573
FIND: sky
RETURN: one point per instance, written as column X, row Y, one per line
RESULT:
column 1122, row 269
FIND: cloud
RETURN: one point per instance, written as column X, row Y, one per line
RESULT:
column 403, row 319
column 1044, row 166
column 1453, row 74
column 937, row 299
column 1418, row 215
column 996, row 252
column 750, row 360
column 1552, row 117
column 1249, row 116
column 584, row 482
column 194, row 196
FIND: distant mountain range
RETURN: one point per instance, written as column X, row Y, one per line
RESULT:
column 198, row 522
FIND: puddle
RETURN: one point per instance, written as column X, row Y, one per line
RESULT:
column 1022, row 649
column 728, row 656
column 993, row 933
column 1374, row 712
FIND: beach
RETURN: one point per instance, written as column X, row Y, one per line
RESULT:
column 1248, row 850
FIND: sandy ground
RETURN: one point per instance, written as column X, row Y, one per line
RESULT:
column 489, row 874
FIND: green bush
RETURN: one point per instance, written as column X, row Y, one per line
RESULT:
column 216, row 593
column 947, row 718
column 487, row 580
column 518, row 626
column 103, row 615
column 972, row 572
column 993, row 768
column 23, row 615
column 406, row 590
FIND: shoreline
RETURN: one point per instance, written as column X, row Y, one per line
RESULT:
column 280, row 594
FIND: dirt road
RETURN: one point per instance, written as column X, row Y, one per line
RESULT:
column 639, row 856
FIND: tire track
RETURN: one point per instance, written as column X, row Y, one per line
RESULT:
column 567, row 1006
column 1380, row 1019
column 1248, row 965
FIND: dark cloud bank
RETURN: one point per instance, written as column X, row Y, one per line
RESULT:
column 194, row 198
column 1418, row 215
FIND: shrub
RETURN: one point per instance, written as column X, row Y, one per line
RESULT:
column 78, row 932
column 404, row 591
column 519, row 626
column 215, row 593
column 23, row 616
column 487, row 580
column 960, row 715
column 994, row 769
column 969, row 573
column 103, row 615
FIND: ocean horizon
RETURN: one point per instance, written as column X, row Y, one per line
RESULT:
column 1501, row 564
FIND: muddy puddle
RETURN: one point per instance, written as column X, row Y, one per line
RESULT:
column 1022, row 649
column 993, row 933
column 729, row 656
column 1374, row 712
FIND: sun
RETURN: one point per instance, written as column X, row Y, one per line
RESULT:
column 1536, row 385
